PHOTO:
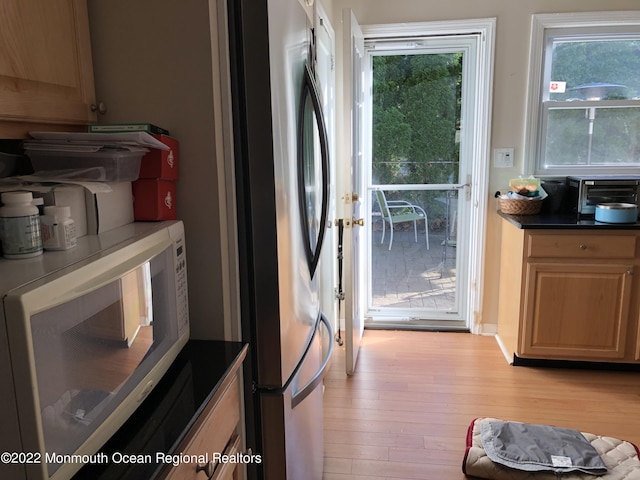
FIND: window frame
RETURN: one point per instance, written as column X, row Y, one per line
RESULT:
column 565, row 24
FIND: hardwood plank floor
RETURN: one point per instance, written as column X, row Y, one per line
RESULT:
column 405, row 413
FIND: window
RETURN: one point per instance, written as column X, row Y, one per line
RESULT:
column 584, row 105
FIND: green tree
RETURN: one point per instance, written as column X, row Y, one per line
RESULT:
column 601, row 70
column 591, row 62
column 416, row 114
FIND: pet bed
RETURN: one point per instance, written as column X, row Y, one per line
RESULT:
column 621, row 458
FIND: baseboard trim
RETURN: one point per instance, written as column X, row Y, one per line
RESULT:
column 575, row 364
column 504, row 350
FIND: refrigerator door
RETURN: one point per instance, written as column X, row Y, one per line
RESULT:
column 297, row 297
column 270, row 42
column 292, row 416
column 281, row 222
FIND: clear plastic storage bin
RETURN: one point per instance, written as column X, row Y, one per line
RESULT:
column 106, row 165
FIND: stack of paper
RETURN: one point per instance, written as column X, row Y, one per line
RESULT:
column 92, row 142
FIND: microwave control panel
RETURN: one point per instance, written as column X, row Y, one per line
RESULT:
column 182, row 294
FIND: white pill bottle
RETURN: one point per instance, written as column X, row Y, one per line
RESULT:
column 19, row 226
column 58, row 228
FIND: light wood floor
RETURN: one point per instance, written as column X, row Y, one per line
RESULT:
column 405, row 413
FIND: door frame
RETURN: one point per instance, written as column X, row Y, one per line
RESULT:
column 479, row 190
column 456, row 318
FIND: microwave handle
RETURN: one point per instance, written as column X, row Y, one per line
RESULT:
column 114, row 267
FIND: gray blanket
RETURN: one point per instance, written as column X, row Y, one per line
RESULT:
column 535, row 448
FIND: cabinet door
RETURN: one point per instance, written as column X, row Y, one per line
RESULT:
column 576, row 311
column 229, row 471
column 46, row 74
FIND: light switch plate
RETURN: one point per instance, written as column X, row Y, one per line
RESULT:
column 503, row 157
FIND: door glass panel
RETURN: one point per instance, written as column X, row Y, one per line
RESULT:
column 416, row 118
column 412, row 267
column 91, row 352
column 419, row 158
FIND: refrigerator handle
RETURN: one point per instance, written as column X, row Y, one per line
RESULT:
column 310, row 88
column 304, row 392
column 325, row 165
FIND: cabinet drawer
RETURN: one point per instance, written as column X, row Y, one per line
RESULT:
column 228, row 471
column 582, row 246
column 212, row 435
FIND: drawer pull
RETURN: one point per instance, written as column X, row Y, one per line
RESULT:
column 207, row 468
column 583, row 246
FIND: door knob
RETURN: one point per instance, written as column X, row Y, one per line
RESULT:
column 358, row 221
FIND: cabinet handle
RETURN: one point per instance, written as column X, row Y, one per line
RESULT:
column 630, row 271
column 583, row 246
column 207, row 468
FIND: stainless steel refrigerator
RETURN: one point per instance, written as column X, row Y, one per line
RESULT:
column 282, row 195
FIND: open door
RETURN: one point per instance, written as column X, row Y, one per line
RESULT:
column 353, row 56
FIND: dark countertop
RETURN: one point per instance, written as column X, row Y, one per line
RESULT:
column 557, row 221
column 166, row 415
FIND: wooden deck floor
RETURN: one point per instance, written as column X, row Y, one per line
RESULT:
column 405, row 413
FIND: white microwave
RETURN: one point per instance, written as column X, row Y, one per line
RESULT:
column 85, row 335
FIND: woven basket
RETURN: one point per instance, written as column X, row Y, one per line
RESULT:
column 519, row 207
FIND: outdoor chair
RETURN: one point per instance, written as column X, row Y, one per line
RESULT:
column 400, row 211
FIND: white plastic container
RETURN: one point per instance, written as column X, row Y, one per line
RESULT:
column 19, row 226
column 58, row 228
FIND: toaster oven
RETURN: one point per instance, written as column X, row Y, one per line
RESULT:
column 592, row 190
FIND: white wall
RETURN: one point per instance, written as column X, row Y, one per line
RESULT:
column 153, row 63
column 510, row 81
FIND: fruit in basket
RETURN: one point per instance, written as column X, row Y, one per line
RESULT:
column 527, row 187
column 524, row 189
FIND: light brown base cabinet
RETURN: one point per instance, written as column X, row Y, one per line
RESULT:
column 570, row 294
column 215, row 431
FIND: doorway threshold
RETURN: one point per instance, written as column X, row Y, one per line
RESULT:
column 418, row 325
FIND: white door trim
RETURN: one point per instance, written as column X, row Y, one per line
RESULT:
column 481, row 137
